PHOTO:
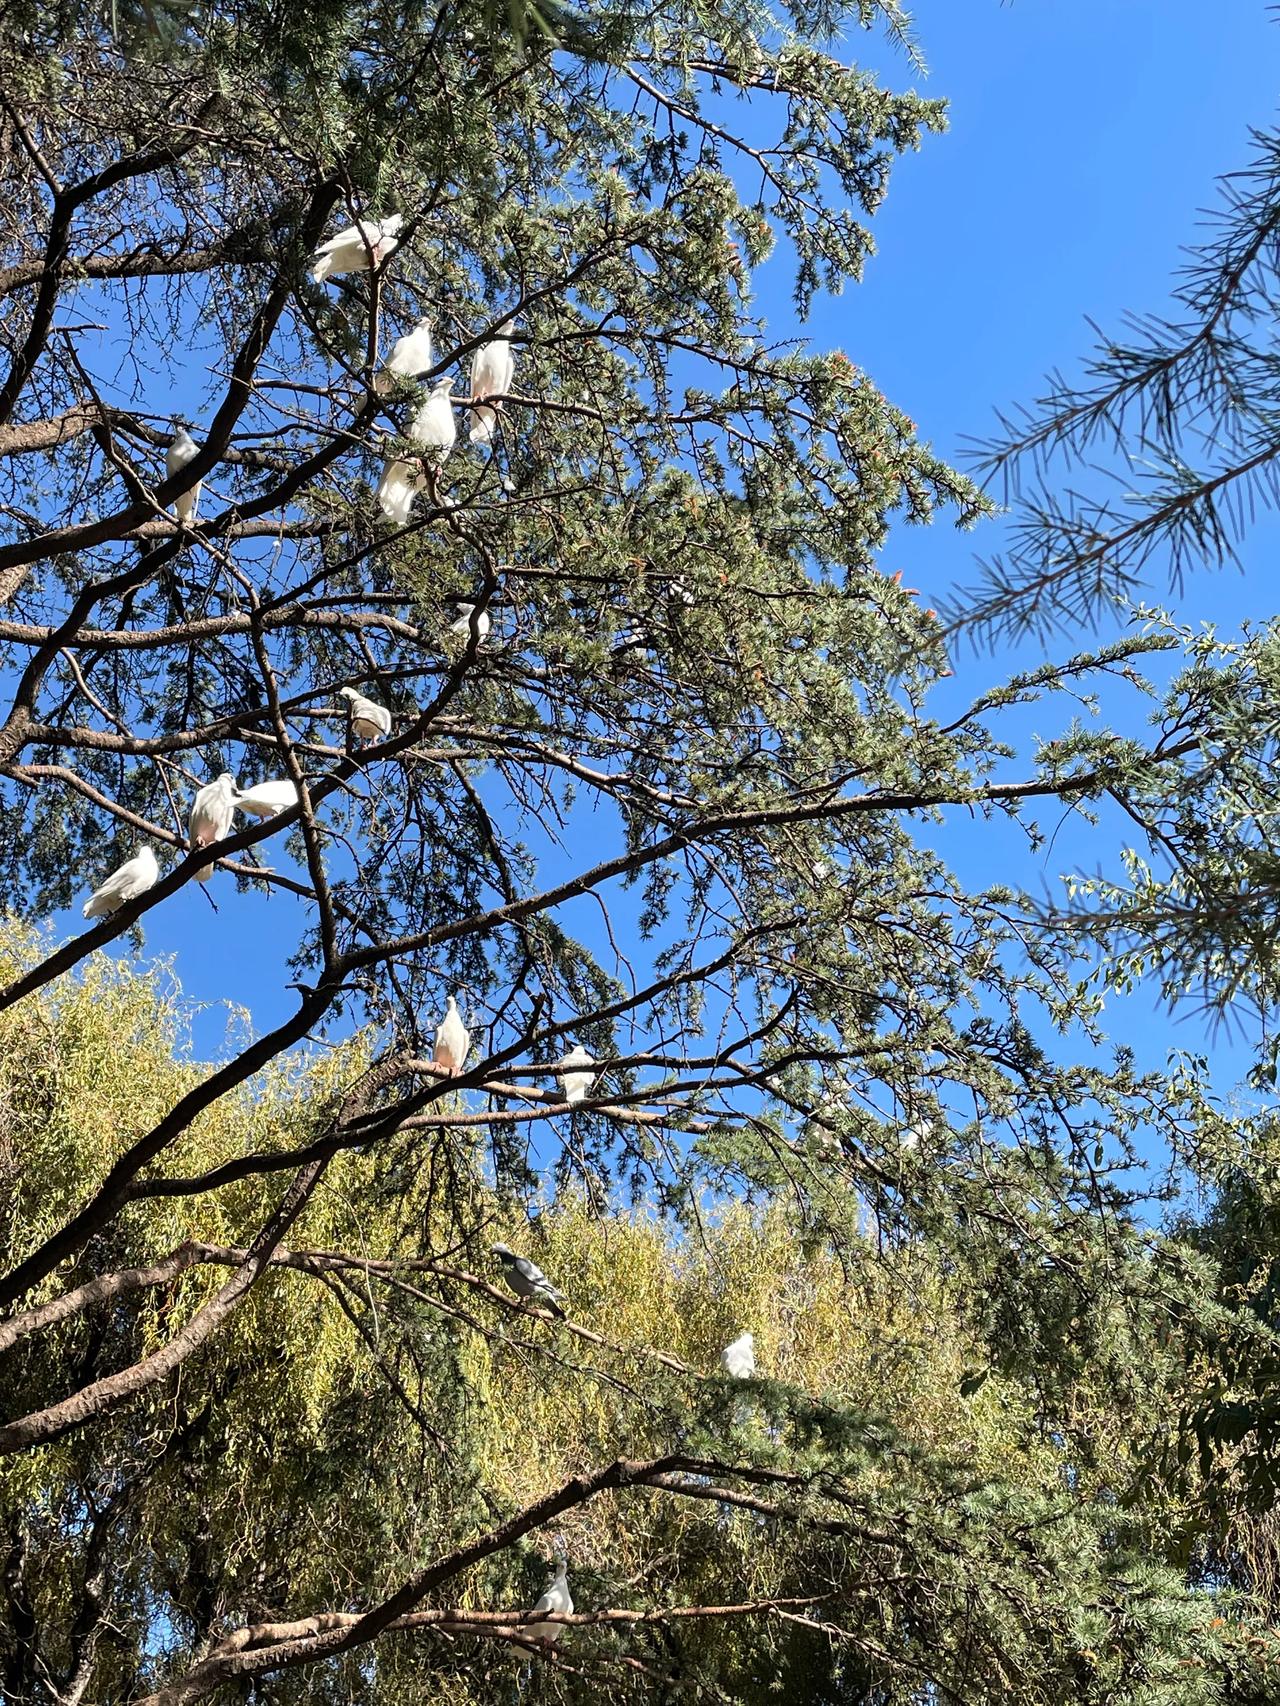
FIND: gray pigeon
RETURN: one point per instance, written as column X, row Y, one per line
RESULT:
column 527, row 1279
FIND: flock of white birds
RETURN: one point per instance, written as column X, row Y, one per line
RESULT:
column 358, row 248
column 433, row 430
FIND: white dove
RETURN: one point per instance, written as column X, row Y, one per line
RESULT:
column 434, row 426
column 184, row 449
column 368, row 718
column 577, row 1085
column 453, row 1042
column 400, row 484
column 366, row 243
column 265, row 799
column 738, row 1357
column 435, row 430
column 411, row 357
column 492, row 369
column 558, row 1599
column 125, row 883
column 463, row 623
column 918, row 1132
column 211, row 815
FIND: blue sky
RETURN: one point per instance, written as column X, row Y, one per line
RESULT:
column 1084, row 137
column 1084, row 143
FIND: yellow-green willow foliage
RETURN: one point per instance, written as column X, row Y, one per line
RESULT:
column 378, row 1400
column 90, row 1065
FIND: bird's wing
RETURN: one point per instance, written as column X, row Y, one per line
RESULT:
column 114, row 886
column 485, row 372
column 335, row 243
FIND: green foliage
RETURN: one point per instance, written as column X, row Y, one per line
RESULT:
column 683, row 805
column 346, row 1426
column 1170, row 426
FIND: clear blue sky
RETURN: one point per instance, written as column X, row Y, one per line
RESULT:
column 1085, row 135
column 1084, row 141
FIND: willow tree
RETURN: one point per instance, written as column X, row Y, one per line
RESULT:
column 661, row 794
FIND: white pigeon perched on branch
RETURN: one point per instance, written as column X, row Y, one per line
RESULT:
column 434, row 426
column 463, row 623
column 453, row 1042
column 265, row 799
column 527, row 1279
column 184, row 449
column 556, row 1599
column 368, row 718
column 211, row 815
column 577, row 1085
column 400, row 484
column 738, row 1358
column 412, row 357
column 492, row 369
column 435, row 430
column 366, row 243
column 125, row 883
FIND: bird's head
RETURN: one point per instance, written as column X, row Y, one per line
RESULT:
column 442, row 387
column 348, row 693
column 391, row 224
column 502, row 1252
column 227, row 780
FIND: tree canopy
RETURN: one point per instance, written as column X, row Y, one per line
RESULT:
column 668, row 789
